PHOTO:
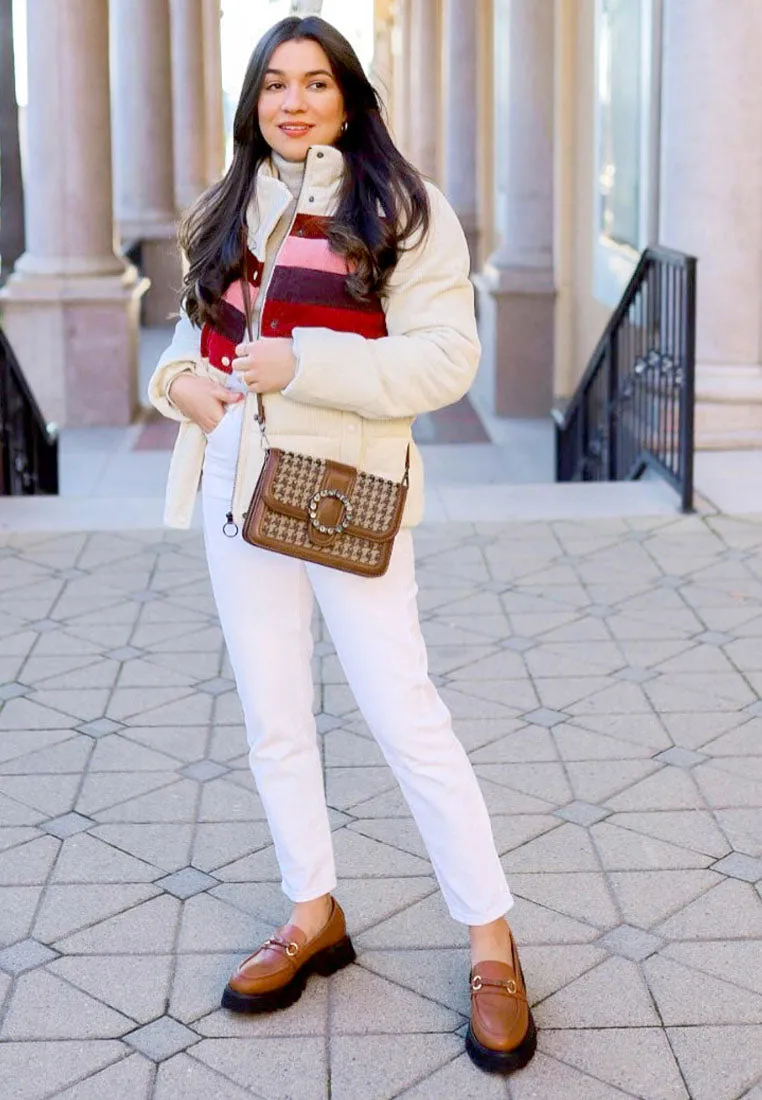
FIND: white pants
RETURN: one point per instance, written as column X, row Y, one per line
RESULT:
column 265, row 603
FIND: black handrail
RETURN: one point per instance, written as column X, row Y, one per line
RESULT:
column 28, row 445
column 634, row 407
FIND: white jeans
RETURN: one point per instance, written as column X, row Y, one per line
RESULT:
column 265, row 602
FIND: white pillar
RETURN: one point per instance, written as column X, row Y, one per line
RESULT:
column 401, row 66
column 188, row 101
column 710, row 186
column 68, row 179
column 71, row 307
column 382, row 73
column 144, row 196
column 460, row 129
column 214, row 122
column 425, row 77
column 516, row 286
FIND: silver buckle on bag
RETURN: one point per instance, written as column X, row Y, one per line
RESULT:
column 315, row 500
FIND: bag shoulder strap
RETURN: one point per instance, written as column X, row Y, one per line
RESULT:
column 246, row 295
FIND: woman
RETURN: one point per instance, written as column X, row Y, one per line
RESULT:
column 358, row 275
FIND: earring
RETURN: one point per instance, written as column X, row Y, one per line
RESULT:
column 344, row 127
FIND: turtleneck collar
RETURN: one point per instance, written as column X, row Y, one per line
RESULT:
column 290, row 172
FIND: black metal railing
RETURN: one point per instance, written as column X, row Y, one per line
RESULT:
column 28, row 446
column 634, row 408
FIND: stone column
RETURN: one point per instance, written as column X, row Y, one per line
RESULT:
column 401, row 66
column 382, row 73
column 424, row 103
column 485, row 144
column 460, row 127
column 144, row 196
column 71, row 307
column 710, row 186
column 189, row 107
column 214, row 121
column 516, row 289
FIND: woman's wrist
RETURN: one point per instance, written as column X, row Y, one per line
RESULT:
column 170, row 384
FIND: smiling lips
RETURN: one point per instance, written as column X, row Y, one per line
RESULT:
column 295, row 129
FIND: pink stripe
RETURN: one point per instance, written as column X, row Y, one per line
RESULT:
column 234, row 295
column 312, row 254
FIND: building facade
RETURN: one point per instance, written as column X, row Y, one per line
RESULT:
column 568, row 135
column 124, row 129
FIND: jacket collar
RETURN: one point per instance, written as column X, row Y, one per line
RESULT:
column 323, row 175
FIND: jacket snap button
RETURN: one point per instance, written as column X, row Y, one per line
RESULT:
column 320, row 156
column 273, row 324
column 225, row 361
column 312, row 198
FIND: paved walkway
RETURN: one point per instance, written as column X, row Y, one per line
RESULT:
column 605, row 677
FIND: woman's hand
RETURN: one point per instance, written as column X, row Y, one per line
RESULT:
column 266, row 366
column 202, row 400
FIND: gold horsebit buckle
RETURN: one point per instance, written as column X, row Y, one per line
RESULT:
column 477, row 983
column 315, row 500
column 290, row 948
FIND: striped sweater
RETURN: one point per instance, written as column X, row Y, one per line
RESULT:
column 307, row 288
column 365, row 370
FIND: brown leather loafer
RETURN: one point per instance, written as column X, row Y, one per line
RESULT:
column 501, row 1036
column 275, row 975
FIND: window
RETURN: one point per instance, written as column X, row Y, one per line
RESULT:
column 626, row 145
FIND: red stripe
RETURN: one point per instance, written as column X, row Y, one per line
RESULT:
column 254, row 267
column 214, row 346
column 281, row 318
column 310, row 226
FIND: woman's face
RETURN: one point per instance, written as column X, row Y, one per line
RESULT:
column 300, row 103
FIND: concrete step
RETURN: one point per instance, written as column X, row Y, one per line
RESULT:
column 590, row 500
column 444, row 503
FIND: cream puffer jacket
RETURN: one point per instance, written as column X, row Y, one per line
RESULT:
column 352, row 399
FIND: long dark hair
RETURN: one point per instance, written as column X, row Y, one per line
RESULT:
column 382, row 204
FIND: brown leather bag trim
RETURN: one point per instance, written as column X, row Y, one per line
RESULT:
column 274, row 456
column 331, row 511
column 251, row 532
column 318, row 556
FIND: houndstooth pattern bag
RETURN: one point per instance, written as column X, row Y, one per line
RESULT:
column 323, row 511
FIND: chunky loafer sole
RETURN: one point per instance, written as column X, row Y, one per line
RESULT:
column 502, row 1061
column 324, row 962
